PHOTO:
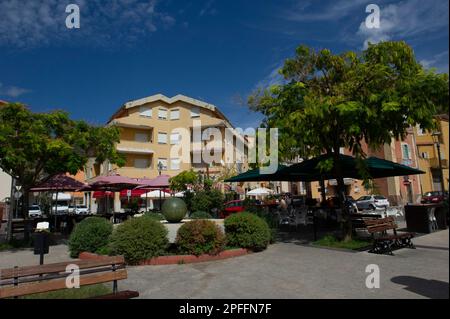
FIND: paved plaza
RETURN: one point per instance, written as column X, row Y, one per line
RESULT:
column 288, row 270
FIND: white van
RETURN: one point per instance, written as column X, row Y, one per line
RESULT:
column 60, row 204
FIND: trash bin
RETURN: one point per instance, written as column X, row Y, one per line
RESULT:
column 41, row 243
column 441, row 217
column 418, row 217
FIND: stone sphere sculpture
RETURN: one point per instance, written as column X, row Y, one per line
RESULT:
column 174, row 209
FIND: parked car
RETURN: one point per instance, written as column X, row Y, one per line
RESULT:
column 350, row 203
column 372, row 202
column 34, row 211
column 234, row 206
column 71, row 209
column 434, row 197
column 61, row 207
column 81, row 210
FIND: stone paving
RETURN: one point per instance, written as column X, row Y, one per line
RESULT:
column 288, row 270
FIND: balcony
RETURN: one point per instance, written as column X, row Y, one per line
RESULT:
column 434, row 163
column 132, row 123
column 133, row 147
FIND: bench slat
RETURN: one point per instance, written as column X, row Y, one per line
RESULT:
column 58, row 267
column 58, row 284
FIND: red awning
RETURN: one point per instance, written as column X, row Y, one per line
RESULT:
column 134, row 192
column 101, row 194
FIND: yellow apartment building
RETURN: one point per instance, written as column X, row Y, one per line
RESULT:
column 166, row 135
column 427, row 150
column 152, row 127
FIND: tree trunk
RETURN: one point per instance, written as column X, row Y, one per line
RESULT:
column 346, row 222
column 322, row 191
column 25, row 205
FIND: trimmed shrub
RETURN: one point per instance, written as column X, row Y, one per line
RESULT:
column 200, row 237
column 138, row 239
column 247, row 230
column 207, row 201
column 200, row 215
column 155, row 216
column 91, row 235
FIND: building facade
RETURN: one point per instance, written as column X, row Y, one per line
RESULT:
column 399, row 190
column 162, row 135
column 427, row 150
column 153, row 128
column 5, row 179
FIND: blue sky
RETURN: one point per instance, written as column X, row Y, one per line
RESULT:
column 216, row 51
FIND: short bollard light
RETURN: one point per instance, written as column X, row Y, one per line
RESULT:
column 41, row 240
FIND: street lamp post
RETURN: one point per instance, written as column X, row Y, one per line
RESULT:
column 160, row 168
column 436, row 137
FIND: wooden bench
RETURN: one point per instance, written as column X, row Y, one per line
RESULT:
column 22, row 281
column 384, row 242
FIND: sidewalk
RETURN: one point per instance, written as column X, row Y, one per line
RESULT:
column 287, row 270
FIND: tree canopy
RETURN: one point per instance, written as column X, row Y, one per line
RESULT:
column 184, row 180
column 332, row 101
column 36, row 146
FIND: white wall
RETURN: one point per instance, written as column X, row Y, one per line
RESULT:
column 5, row 185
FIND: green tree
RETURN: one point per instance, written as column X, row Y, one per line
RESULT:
column 183, row 181
column 329, row 101
column 36, row 146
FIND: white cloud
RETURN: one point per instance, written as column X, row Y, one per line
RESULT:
column 273, row 78
column 208, row 9
column 407, row 19
column 338, row 10
column 438, row 61
column 30, row 23
column 12, row 91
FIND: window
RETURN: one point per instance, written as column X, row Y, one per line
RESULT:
column 405, row 151
column 175, row 164
column 141, row 163
column 163, row 161
column 195, row 112
column 162, row 138
column 424, row 155
column 141, row 137
column 420, row 131
column 145, row 111
column 175, row 138
column 175, row 114
column 162, row 114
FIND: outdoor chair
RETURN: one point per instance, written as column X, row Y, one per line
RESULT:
column 300, row 217
column 432, row 219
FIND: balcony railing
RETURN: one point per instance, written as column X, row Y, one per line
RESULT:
column 134, row 147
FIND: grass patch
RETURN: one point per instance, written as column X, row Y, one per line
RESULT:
column 15, row 244
column 331, row 241
column 5, row 246
column 75, row 293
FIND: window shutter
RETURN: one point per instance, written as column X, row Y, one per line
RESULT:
column 195, row 112
column 175, row 114
column 162, row 114
column 174, row 138
column 175, row 164
column 145, row 111
column 162, row 138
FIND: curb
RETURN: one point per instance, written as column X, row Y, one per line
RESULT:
column 177, row 259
